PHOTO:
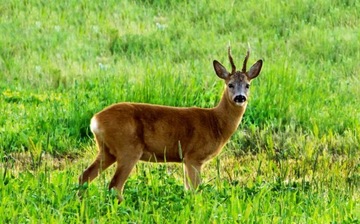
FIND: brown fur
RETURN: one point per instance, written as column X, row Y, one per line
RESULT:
column 128, row 132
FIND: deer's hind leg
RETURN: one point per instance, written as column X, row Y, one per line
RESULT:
column 103, row 160
column 126, row 160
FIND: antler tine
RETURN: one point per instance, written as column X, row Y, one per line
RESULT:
column 245, row 61
column 233, row 71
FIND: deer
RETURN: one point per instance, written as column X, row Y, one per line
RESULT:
column 126, row 133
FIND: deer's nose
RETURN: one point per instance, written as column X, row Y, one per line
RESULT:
column 240, row 99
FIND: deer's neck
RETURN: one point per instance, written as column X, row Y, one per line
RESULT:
column 228, row 115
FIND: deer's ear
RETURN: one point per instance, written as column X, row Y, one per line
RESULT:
column 255, row 69
column 220, row 70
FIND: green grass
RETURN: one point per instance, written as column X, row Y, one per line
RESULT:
column 295, row 157
column 247, row 190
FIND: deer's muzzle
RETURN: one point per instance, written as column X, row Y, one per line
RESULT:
column 239, row 99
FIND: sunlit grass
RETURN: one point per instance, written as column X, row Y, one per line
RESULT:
column 249, row 189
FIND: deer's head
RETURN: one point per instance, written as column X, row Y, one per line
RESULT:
column 237, row 82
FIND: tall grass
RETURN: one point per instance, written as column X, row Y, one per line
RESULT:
column 59, row 68
column 260, row 191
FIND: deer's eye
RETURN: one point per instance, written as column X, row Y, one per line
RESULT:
column 247, row 86
column 231, row 86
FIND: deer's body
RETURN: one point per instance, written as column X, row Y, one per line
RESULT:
column 199, row 133
column 128, row 132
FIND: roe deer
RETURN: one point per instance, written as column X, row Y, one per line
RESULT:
column 128, row 132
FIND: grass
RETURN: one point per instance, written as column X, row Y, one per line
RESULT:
column 295, row 157
column 258, row 190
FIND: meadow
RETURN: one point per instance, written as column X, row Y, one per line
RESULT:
column 294, row 159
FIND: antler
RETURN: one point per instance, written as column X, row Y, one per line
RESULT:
column 233, row 71
column 245, row 61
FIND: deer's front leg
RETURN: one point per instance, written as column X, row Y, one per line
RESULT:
column 192, row 174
